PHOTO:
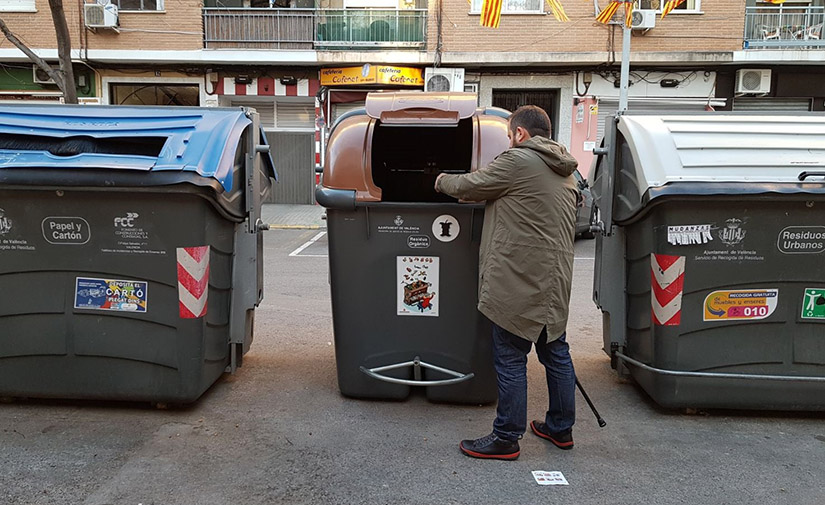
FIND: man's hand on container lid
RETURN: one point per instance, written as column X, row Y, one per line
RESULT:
column 436, row 182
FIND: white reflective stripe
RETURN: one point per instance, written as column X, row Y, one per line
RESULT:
column 192, row 266
column 665, row 313
column 665, row 278
column 195, row 305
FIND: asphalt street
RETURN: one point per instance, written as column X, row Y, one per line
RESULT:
column 278, row 431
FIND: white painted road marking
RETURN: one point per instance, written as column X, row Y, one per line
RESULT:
column 314, row 239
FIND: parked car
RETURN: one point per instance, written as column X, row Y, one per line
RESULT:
column 587, row 214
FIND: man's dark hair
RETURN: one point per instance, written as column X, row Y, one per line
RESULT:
column 531, row 118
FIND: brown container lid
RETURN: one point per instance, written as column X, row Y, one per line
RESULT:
column 348, row 164
column 421, row 108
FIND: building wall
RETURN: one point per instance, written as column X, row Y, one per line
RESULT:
column 719, row 28
column 180, row 27
column 563, row 83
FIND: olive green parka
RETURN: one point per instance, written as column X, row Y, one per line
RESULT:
column 526, row 251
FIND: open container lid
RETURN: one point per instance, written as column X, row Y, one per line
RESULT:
column 151, row 139
column 415, row 107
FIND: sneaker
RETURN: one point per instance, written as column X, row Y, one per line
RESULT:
column 563, row 440
column 490, row 447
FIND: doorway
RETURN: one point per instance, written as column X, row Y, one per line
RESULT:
column 547, row 99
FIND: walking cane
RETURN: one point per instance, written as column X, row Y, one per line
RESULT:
column 599, row 419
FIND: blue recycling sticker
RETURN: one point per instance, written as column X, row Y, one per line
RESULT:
column 110, row 294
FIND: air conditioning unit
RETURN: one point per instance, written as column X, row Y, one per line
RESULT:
column 444, row 79
column 753, row 81
column 643, row 19
column 100, row 15
column 39, row 76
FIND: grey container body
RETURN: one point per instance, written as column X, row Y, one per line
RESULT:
column 708, row 273
column 365, row 244
column 51, row 349
column 782, row 343
column 128, row 273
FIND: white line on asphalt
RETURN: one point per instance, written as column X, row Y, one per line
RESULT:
column 588, row 259
column 314, row 239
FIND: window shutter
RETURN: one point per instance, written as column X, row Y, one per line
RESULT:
column 266, row 111
column 295, row 115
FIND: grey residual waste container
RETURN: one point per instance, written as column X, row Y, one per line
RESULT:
column 403, row 258
column 709, row 271
column 130, row 249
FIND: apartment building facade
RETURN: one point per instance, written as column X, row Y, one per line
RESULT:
column 302, row 63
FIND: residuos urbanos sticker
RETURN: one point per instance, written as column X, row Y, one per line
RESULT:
column 740, row 304
column 801, row 240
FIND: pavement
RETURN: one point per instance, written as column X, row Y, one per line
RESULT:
column 292, row 216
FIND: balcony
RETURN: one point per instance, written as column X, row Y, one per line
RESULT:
column 784, row 27
column 320, row 29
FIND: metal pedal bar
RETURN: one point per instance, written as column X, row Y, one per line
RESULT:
column 417, row 365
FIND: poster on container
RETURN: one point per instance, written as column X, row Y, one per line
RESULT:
column 417, row 285
column 110, row 294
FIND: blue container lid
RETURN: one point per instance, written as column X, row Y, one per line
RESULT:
column 151, row 139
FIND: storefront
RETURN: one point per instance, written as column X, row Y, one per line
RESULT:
column 286, row 103
column 345, row 89
column 24, row 82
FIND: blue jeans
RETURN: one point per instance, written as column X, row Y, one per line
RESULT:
column 510, row 359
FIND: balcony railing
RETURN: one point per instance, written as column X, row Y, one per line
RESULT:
column 784, row 27
column 314, row 28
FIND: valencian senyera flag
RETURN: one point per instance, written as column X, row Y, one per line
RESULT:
column 490, row 13
column 608, row 12
column 558, row 10
column 670, row 5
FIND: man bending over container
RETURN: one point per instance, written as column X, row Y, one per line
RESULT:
column 525, row 273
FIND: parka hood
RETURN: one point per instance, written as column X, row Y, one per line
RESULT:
column 554, row 155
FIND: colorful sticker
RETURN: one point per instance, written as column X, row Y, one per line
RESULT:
column 813, row 303
column 740, row 304
column 417, row 285
column 108, row 294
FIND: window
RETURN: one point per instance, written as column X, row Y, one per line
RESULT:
column 687, row 6
column 155, row 94
column 512, row 6
column 139, row 5
column 17, row 6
